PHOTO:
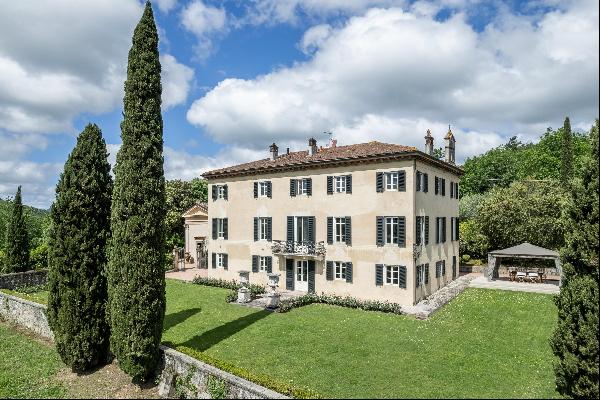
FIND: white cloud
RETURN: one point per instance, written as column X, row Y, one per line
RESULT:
column 166, row 5
column 393, row 74
column 177, row 80
column 34, row 178
column 203, row 21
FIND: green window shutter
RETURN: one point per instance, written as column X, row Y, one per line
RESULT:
column 348, row 184
column 444, row 229
column 329, row 230
column 289, row 274
column 443, row 187
column 225, row 228
column 437, row 230
column 214, row 192
column 309, row 186
column 255, row 190
column 379, row 275
column 438, row 269
column 214, row 260
column 269, row 189
column 425, row 183
column 379, row 182
column 426, row 229
column 254, row 263
column 269, row 264
column 225, row 192
column 401, row 231
column 443, row 267
column 256, row 229
column 225, row 262
column 270, row 229
column 348, row 272
column 311, row 229
column 418, row 228
column 402, row 276
column 426, row 273
column 214, row 228
column 290, row 229
column 292, row 187
column 380, row 223
column 418, row 280
column 402, row 181
column 348, row 231
column 437, row 185
column 329, row 270
column 451, row 189
column 418, row 182
column 311, row 276
column 330, row 185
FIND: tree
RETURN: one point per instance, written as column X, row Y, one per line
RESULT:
column 16, row 251
column 575, row 339
column 181, row 195
column 566, row 166
column 78, row 254
column 136, row 260
column 200, row 189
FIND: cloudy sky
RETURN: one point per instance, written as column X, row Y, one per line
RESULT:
column 240, row 74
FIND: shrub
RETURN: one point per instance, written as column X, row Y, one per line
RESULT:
column 347, row 301
column 38, row 257
column 472, row 241
column 255, row 290
column 465, row 258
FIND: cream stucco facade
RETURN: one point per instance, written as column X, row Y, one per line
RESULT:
column 196, row 233
column 363, row 205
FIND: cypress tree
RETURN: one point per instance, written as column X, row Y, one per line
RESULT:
column 137, row 253
column 575, row 339
column 16, row 252
column 566, row 170
column 80, row 219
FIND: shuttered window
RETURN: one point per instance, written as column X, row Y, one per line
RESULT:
column 393, row 181
column 339, row 270
column 418, row 181
column 220, row 228
column 379, row 275
column 426, row 229
column 220, row 260
column 219, row 192
column 262, row 189
column 425, row 183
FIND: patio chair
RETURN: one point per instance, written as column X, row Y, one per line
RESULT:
column 542, row 275
column 533, row 277
column 521, row 276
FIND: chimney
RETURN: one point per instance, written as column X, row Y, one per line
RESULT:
column 274, row 151
column 450, row 146
column 429, row 143
column 312, row 146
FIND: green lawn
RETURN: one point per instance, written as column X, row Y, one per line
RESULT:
column 485, row 343
column 27, row 367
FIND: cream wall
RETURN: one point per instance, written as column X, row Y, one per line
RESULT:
column 196, row 226
column 363, row 205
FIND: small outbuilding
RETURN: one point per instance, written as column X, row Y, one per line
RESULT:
column 522, row 251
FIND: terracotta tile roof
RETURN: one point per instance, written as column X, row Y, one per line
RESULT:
column 300, row 159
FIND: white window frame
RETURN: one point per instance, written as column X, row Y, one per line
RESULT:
column 262, row 264
column 302, row 187
column 300, row 229
column 392, row 275
column 391, row 232
column 220, row 228
column 339, row 269
column 391, row 181
column 340, row 184
column 263, row 189
column 263, row 224
column 220, row 260
column 220, row 191
column 339, row 230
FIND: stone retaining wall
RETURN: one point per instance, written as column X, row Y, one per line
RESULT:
column 20, row 279
column 25, row 313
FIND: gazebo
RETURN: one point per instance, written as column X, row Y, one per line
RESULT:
column 524, row 250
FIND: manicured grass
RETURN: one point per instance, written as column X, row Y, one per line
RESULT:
column 485, row 343
column 27, row 367
column 40, row 297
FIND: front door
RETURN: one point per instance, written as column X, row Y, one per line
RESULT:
column 301, row 276
column 201, row 255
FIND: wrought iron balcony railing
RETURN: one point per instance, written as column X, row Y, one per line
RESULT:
column 290, row 247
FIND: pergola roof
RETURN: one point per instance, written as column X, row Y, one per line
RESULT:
column 525, row 250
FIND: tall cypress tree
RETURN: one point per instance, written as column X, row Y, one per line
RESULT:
column 136, row 262
column 80, row 219
column 566, row 169
column 575, row 339
column 16, row 252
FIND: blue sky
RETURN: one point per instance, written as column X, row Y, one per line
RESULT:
column 239, row 75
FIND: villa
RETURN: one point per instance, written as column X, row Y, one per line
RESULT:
column 372, row 220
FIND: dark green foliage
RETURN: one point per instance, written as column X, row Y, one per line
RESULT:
column 78, row 254
column 136, row 261
column 349, row 302
column 16, row 250
column 37, row 221
column 566, row 166
column 181, row 195
column 255, row 290
column 575, row 340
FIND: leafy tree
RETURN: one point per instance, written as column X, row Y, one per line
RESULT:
column 566, row 168
column 468, row 206
column 181, row 195
column 526, row 211
column 136, row 261
column 78, row 255
column 37, row 221
column 200, row 189
column 472, row 241
column 16, row 251
column 575, row 339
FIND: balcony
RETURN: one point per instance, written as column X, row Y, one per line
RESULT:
column 303, row 249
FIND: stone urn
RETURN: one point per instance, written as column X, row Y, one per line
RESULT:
column 244, row 295
column 273, row 296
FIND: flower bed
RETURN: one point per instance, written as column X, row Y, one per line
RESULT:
column 255, row 290
column 347, row 301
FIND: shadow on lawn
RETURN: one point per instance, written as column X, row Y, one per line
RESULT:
column 210, row 338
column 178, row 317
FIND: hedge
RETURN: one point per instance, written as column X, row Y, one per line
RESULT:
column 255, row 290
column 347, row 301
column 259, row 379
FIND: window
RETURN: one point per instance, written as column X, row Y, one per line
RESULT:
column 391, row 180
column 421, row 275
column 340, row 230
column 263, row 228
column 263, row 189
column 220, row 260
column 263, row 264
column 441, row 230
column 420, row 230
column 302, row 187
column 340, row 184
column 391, row 230
column 220, row 228
column 221, row 191
column 340, row 270
column 392, row 274
column 302, row 229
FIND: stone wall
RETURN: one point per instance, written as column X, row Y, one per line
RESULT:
column 182, row 373
column 25, row 313
column 20, row 279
